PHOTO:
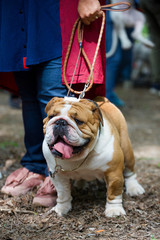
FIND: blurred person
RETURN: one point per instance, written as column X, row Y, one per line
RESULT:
column 141, row 71
column 123, row 28
column 118, row 65
column 31, row 48
column 132, row 18
column 151, row 9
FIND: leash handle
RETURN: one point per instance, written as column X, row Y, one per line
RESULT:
column 77, row 25
column 110, row 7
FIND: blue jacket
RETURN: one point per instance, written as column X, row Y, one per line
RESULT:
column 29, row 33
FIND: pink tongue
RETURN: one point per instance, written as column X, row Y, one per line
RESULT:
column 65, row 149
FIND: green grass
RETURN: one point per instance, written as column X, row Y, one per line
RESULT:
column 6, row 144
column 145, row 31
column 153, row 238
column 145, row 158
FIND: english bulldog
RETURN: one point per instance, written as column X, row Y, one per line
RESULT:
column 89, row 140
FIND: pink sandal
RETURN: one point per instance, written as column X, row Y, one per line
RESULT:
column 46, row 195
column 21, row 181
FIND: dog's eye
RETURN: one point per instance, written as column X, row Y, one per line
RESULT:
column 78, row 121
column 51, row 116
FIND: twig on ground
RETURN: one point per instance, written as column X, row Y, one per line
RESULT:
column 15, row 211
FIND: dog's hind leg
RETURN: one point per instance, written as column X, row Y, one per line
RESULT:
column 114, row 181
column 133, row 188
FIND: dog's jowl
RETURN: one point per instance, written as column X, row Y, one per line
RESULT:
column 89, row 140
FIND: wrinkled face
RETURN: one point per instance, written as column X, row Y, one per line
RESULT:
column 71, row 126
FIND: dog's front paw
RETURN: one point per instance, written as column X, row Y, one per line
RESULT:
column 133, row 188
column 113, row 210
column 62, row 208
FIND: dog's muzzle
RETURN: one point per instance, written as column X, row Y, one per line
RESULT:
column 61, row 146
column 60, row 128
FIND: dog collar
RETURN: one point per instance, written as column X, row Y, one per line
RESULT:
column 58, row 168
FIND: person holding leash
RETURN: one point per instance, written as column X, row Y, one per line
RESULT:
column 31, row 48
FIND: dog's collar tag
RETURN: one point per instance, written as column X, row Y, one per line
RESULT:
column 58, row 168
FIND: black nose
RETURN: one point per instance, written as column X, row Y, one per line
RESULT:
column 61, row 122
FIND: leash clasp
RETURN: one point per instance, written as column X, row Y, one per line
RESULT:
column 57, row 169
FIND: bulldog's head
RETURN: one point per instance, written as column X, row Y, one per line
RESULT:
column 71, row 126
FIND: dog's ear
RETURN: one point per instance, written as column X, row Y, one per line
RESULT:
column 96, row 110
column 45, row 121
column 47, row 108
column 50, row 103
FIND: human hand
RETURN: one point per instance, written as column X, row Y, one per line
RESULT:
column 89, row 10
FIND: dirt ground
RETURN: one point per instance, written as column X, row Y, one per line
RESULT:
column 20, row 221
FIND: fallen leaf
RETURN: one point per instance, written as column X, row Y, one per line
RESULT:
column 100, row 231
